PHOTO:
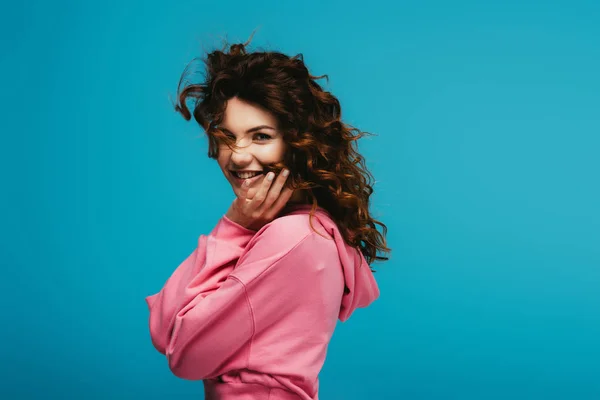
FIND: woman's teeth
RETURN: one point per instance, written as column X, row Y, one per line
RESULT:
column 246, row 175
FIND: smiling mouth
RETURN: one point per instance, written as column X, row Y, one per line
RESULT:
column 246, row 175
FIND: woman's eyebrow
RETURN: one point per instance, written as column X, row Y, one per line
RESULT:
column 256, row 128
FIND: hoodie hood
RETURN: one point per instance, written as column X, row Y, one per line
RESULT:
column 360, row 286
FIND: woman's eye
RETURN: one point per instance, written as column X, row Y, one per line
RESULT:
column 262, row 136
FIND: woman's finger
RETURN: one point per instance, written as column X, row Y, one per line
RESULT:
column 275, row 190
column 261, row 194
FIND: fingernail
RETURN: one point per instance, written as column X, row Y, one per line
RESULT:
column 270, row 176
column 285, row 172
column 246, row 182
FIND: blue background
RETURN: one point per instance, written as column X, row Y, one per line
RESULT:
column 486, row 160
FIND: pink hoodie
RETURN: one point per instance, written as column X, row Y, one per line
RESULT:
column 252, row 313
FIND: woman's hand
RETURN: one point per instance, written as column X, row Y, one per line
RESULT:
column 254, row 210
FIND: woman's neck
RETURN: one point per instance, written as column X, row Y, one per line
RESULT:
column 299, row 197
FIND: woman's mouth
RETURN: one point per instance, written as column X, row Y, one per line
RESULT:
column 240, row 177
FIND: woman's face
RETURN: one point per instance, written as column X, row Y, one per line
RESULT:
column 259, row 142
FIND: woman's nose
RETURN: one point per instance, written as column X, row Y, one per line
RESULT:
column 241, row 155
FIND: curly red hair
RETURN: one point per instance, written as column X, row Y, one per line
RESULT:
column 321, row 150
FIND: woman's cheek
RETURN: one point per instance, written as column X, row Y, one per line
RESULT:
column 272, row 153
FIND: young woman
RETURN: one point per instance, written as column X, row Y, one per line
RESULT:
column 252, row 310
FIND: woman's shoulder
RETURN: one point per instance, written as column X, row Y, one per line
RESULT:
column 291, row 239
column 296, row 219
column 294, row 225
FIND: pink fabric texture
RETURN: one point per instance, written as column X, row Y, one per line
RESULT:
column 252, row 313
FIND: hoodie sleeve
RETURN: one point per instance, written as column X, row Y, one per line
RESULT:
column 199, row 275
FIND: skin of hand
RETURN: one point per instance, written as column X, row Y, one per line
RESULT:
column 254, row 209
